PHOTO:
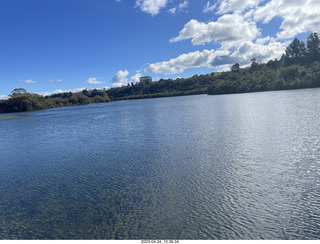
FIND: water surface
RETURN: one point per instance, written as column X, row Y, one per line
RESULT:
column 243, row 166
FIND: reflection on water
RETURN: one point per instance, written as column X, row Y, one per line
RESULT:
column 6, row 116
column 198, row 167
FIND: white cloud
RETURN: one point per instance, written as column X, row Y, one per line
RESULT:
column 120, row 78
column 209, row 7
column 3, row 97
column 298, row 16
column 58, row 80
column 94, row 81
column 75, row 90
column 61, row 91
column 135, row 78
column 181, row 7
column 228, row 54
column 228, row 28
column 184, row 61
column 151, row 7
column 227, row 6
column 28, row 81
column 184, row 4
column 245, row 51
column 172, row 11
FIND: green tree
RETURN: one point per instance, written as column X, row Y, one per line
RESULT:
column 18, row 91
column 235, row 68
column 313, row 47
column 254, row 64
column 85, row 92
column 98, row 99
column 79, row 99
column 145, row 80
column 296, row 49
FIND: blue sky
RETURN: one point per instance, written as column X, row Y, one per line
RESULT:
column 47, row 46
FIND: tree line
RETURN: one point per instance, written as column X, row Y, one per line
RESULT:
column 163, row 88
column 21, row 101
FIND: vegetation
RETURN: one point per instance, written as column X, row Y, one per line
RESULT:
column 299, row 67
column 163, row 88
column 268, row 77
column 21, row 101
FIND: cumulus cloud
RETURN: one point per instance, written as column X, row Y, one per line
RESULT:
column 135, row 78
column 94, row 81
column 245, row 51
column 75, row 90
column 151, row 7
column 299, row 16
column 227, row 6
column 228, row 54
column 120, row 78
column 3, row 97
column 228, row 28
column 184, row 61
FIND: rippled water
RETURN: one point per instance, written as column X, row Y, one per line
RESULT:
column 199, row 167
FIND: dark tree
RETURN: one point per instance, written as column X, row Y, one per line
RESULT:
column 145, row 80
column 94, row 93
column 18, row 91
column 235, row 68
column 254, row 64
column 85, row 92
column 313, row 47
column 296, row 49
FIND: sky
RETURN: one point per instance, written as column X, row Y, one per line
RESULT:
column 51, row 46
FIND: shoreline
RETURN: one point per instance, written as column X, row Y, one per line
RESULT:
column 146, row 96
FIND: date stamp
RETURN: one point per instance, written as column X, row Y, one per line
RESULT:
column 160, row 241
